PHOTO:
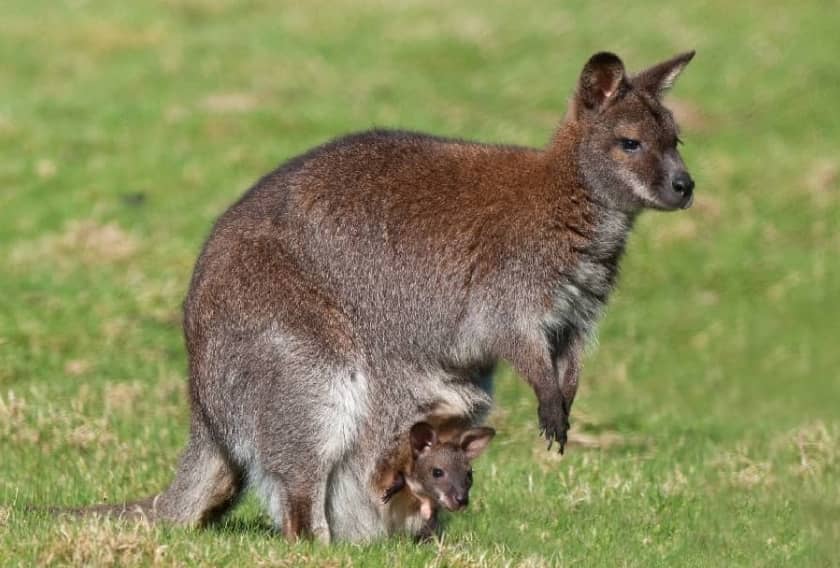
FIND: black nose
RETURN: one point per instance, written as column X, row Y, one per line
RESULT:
column 683, row 183
column 462, row 500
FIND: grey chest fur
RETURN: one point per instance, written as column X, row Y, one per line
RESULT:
column 580, row 296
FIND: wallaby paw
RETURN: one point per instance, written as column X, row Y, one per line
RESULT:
column 554, row 423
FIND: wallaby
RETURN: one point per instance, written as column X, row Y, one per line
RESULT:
column 431, row 472
column 373, row 282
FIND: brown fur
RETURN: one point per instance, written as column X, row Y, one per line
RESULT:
column 375, row 281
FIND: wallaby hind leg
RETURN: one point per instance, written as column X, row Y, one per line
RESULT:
column 205, row 487
column 297, row 522
column 297, row 505
column 319, row 526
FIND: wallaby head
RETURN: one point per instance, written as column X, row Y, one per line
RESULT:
column 627, row 139
column 442, row 472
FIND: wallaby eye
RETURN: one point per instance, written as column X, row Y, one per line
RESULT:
column 470, row 476
column 437, row 472
column 630, row 145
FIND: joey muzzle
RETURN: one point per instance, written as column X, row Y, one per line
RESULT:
column 455, row 501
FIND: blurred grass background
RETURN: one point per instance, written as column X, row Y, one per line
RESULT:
column 707, row 429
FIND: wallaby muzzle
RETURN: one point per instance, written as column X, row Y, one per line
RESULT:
column 684, row 185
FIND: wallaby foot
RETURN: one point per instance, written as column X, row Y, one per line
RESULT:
column 320, row 527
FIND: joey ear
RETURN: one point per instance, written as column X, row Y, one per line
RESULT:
column 422, row 436
column 600, row 80
column 475, row 440
column 658, row 79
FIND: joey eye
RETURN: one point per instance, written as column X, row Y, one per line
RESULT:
column 437, row 472
column 470, row 476
column 630, row 145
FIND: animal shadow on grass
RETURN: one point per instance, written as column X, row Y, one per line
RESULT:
column 258, row 526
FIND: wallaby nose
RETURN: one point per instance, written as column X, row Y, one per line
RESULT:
column 462, row 500
column 683, row 183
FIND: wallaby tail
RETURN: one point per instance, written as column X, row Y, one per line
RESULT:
column 143, row 510
column 205, row 487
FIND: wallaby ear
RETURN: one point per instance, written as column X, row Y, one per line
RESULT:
column 658, row 79
column 422, row 436
column 600, row 80
column 475, row 440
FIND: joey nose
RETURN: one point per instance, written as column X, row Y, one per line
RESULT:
column 683, row 184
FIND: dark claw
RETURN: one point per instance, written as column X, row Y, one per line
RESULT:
column 554, row 424
column 396, row 487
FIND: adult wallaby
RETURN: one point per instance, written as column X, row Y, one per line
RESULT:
column 372, row 282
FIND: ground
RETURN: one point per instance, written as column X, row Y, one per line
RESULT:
column 707, row 429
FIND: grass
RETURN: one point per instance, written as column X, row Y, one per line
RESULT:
column 707, row 429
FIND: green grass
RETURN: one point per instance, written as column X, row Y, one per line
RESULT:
column 708, row 425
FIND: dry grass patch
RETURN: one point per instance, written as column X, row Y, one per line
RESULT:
column 228, row 103
column 100, row 542
column 159, row 297
column 281, row 558
column 675, row 482
column 823, row 182
column 86, row 242
column 46, row 168
column 121, row 398
column 38, row 422
column 739, row 469
column 14, row 425
column 468, row 552
column 104, row 37
column 817, row 446
column 601, row 440
column 77, row 367
column 809, row 452
column 90, row 435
